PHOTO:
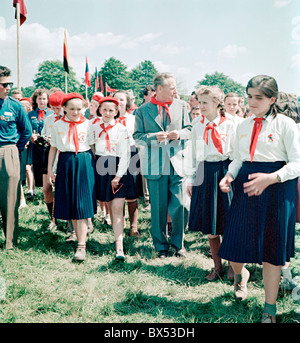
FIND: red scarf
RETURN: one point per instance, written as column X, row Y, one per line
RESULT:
column 105, row 129
column 73, row 129
column 41, row 115
column 254, row 137
column 160, row 105
column 122, row 120
column 216, row 138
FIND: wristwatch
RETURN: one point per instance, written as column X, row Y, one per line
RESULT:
column 278, row 178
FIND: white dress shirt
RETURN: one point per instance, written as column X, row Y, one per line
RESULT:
column 279, row 140
column 119, row 143
column 199, row 151
column 60, row 136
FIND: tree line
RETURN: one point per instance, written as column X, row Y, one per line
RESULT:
column 115, row 73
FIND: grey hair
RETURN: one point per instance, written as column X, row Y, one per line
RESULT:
column 160, row 79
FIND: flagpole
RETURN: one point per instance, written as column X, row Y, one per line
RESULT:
column 66, row 82
column 18, row 45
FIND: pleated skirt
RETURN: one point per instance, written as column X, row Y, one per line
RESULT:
column 134, row 171
column 209, row 207
column 261, row 228
column 106, row 169
column 75, row 193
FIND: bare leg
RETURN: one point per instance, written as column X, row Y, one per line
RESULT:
column 80, row 227
column 117, row 206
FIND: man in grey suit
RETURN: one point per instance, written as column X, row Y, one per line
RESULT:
column 162, row 127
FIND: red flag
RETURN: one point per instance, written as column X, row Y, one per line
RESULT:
column 87, row 74
column 66, row 54
column 23, row 10
column 96, row 80
column 108, row 89
column 101, row 81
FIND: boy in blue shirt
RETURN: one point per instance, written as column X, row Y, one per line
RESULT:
column 15, row 131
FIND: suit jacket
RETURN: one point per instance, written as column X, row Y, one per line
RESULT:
column 155, row 156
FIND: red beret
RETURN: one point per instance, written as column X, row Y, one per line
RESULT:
column 26, row 99
column 97, row 97
column 109, row 98
column 70, row 96
column 55, row 99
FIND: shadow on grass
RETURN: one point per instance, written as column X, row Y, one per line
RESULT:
column 221, row 309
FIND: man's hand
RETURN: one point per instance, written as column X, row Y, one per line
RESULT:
column 173, row 135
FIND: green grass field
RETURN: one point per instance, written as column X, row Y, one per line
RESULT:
column 44, row 285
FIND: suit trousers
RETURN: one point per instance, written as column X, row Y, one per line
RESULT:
column 10, row 192
column 168, row 193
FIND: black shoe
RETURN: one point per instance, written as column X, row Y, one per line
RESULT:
column 181, row 253
column 162, row 254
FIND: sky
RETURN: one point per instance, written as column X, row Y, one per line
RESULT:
column 189, row 38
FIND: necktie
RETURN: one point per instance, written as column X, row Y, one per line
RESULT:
column 41, row 115
column 105, row 129
column 56, row 118
column 160, row 105
column 255, row 133
column 215, row 136
column 73, row 129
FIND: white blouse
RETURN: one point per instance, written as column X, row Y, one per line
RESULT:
column 119, row 143
column 279, row 140
column 199, row 151
column 48, row 124
column 130, row 120
column 60, row 136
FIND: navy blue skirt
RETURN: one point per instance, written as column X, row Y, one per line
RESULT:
column 209, row 207
column 261, row 228
column 75, row 194
column 134, row 171
column 106, row 169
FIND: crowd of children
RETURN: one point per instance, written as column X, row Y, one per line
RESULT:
column 241, row 171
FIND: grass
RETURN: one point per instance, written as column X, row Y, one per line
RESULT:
column 44, row 284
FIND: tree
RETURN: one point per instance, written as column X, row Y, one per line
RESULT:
column 52, row 74
column 223, row 82
column 143, row 75
column 115, row 74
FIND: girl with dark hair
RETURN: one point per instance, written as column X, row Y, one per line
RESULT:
column 36, row 154
column 210, row 154
column 265, row 168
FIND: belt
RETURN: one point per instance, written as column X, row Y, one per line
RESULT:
column 7, row 145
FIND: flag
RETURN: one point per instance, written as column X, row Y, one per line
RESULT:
column 66, row 54
column 96, row 80
column 101, row 82
column 23, row 11
column 108, row 89
column 87, row 74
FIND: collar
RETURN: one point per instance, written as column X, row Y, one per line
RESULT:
column 266, row 118
column 215, row 121
column 112, row 122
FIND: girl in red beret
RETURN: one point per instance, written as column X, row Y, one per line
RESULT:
column 75, row 197
column 112, row 151
column 128, row 119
